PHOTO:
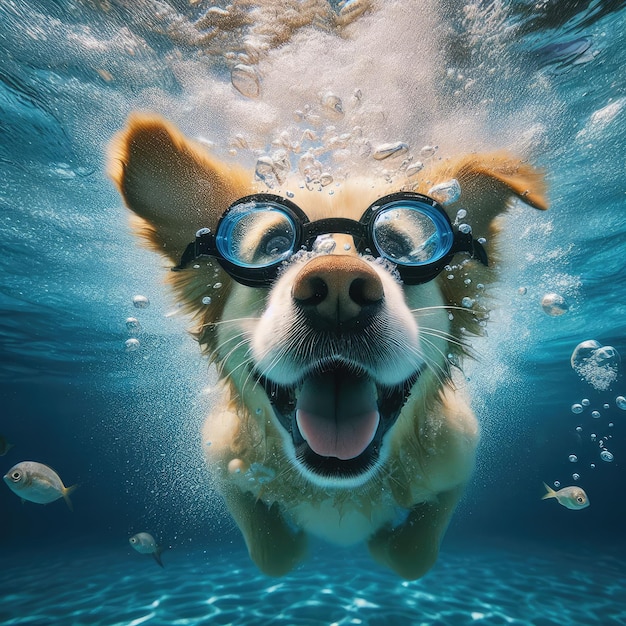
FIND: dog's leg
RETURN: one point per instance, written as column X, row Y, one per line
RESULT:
column 411, row 548
column 274, row 546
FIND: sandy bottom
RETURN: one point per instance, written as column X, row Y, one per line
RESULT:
column 518, row 586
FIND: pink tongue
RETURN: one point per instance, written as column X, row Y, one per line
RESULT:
column 337, row 414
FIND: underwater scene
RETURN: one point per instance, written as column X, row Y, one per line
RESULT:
column 117, row 506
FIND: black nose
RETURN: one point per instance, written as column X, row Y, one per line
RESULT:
column 337, row 290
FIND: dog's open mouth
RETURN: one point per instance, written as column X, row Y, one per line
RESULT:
column 337, row 416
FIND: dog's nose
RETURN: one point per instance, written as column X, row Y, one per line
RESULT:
column 337, row 288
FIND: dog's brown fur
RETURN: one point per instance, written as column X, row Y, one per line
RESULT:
column 174, row 188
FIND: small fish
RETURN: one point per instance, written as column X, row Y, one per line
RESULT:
column 144, row 543
column 5, row 446
column 38, row 483
column 570, row 497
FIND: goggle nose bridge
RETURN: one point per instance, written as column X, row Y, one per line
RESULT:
column 334, row 226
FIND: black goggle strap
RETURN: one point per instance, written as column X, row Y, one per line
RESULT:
column 204, row 245
column 464, row 242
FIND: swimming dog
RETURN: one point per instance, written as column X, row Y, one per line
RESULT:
column 337, row 322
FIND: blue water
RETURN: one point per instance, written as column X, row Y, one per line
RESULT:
column 546, row 79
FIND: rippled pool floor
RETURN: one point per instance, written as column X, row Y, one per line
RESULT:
column 488, row 586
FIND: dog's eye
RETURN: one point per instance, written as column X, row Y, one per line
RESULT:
column 395, row 244
column 275, row 243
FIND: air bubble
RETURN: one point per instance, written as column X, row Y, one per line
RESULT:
column 446, row 192
column 606, row 456
column 310, row 167
column 206, row 300
column 265, row 171
column 620, row 402
column 133, row 325
column 467, row 303
column 131, row 344
column 576, row 476
column 466, row 229
column 428, row 151
column 217, row 286
column 557, row 484
column 461, row 214
column 595, row 414
column 245, row 80
column 332, row 103
column 554, row 304
column 522, row 291
column 585, row 402
column 573, row 458
column 579, row 429
column 141, row 302
column 386, row 150
column 325, row 179
column 577, row 408
column 414, row 168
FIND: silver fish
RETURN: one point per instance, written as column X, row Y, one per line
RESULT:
column 38, row 483
column 570, row 497
column 145, row 543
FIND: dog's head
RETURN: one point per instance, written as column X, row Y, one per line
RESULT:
column 333, row 308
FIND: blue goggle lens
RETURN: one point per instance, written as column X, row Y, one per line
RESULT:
column 256, row 235
column 411, row 233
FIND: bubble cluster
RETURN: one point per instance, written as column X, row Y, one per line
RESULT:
column 596, row 364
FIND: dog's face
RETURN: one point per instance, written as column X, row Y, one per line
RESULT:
column 336, row 343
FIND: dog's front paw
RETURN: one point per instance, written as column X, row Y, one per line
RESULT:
column 411, row 548
column 274, row 545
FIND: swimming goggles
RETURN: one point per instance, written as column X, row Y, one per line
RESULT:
column 258, row 233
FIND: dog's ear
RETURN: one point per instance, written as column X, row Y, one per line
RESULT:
column 488, row 183
column 171, row 183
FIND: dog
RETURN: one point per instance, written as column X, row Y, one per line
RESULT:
column 338, row 328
